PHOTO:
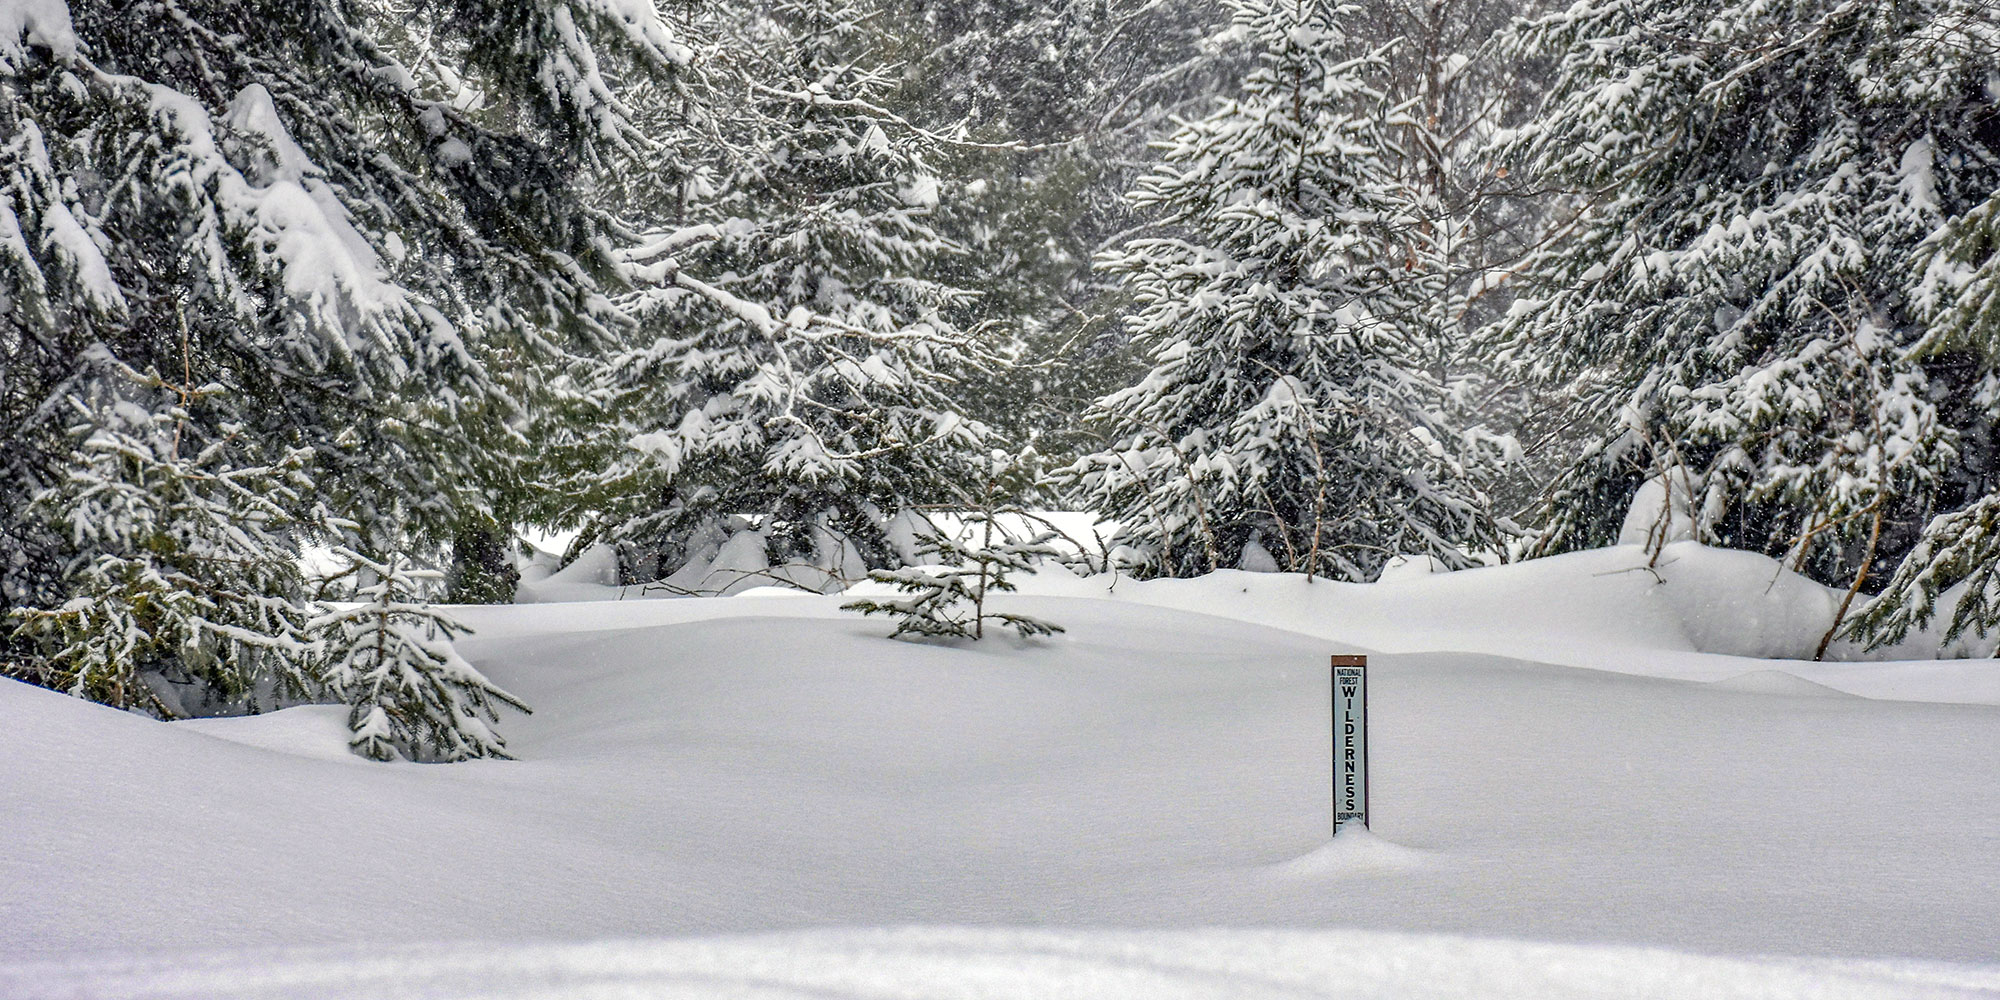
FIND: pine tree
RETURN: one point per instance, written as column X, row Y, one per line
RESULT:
column 793, row 371
column 1957, row 298
column 359, row 221
column 1743, row 287
column 393, row 663
column 1051, row 104
column 965, row 560
column 1289, row 421
column 178, row 589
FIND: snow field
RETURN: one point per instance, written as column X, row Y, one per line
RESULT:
column 760, row 780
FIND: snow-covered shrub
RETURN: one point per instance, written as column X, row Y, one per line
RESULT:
column 963, row 560
column 390, row 658
column 180, row 586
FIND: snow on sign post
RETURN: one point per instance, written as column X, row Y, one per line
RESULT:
column 1350, row 741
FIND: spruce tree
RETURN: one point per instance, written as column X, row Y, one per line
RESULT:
column 966, row 559
column 409, row 691
column 1743, row 293
column 946, row 597
column 793, row 371
column 354, row 227
column 178, row 589
column 1954, row 569
column 1289, row 420
column 1957, row 298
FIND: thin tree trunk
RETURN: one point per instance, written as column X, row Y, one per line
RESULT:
column 1867, row 562
column 985, row 550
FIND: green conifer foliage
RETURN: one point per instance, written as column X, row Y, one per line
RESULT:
column 354, row 229
column 794, row 370
column 1765, row 252
column 1290, row 420
column 409, row 692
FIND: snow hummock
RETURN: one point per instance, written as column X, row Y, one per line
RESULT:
column 1692, row 612
column 1582, row 787
column 1355, row 851
column 1653, row 519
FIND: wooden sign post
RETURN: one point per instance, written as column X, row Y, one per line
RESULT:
column 1350, row 741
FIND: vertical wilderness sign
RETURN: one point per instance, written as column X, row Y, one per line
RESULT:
column 1350, row 741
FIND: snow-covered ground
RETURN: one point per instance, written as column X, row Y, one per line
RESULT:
column 1583, row 786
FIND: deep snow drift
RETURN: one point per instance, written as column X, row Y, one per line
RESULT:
column 764, row 765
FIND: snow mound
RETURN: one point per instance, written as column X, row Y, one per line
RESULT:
column 1744, row 603
column 1407, row 568
column 587, row 578
column 1777, row 682
column 317, row 732
column 1655, row 517
column 1694, row 613
column 1354, row 852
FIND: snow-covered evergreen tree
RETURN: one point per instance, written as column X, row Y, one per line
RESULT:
column 391, row 660
column 1054, row 102
column 1743, row 291
column 1290, row 420
column 358, row 220
column 795, row 364
column 178, row 589
column 946, row 597
column 964, row 561
column 1954, row 566
column 1954, row 569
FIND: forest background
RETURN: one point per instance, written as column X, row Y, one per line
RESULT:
column 1282, row 285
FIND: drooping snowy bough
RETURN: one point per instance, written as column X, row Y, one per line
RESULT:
column 329, row 244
